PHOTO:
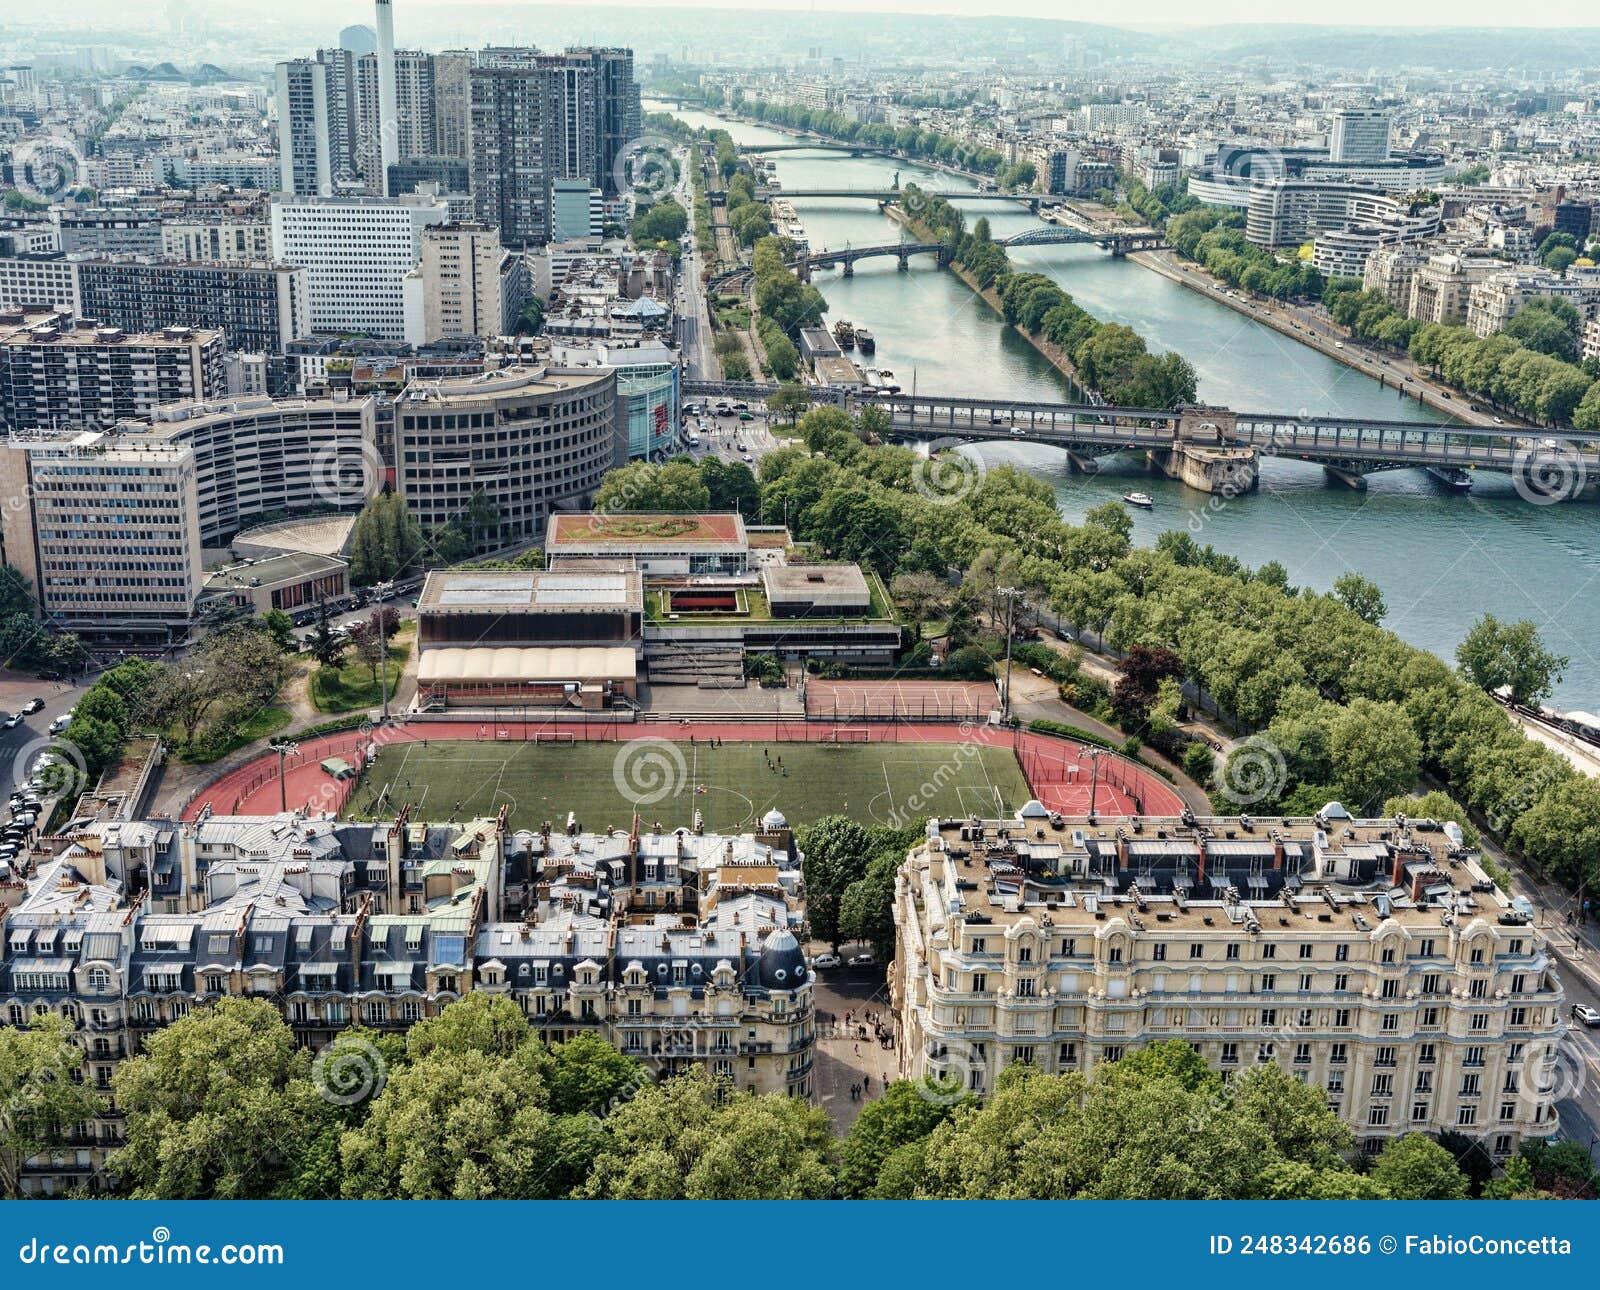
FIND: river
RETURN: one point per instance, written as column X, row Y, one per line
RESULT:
column 1442, row 560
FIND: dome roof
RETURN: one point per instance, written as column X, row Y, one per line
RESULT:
column 783, row 964
column 774, row 819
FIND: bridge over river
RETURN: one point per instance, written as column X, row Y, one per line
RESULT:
column 1118, row 241
column 1216, row 449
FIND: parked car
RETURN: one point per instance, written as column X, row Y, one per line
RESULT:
column 862, row 960
column 1584, row 1014
column 824, row 961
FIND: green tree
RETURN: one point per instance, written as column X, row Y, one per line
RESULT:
column 902, row 1116
column 835, row 850
column 42, row 1096
column 280, row 628
column 1361, row 596
column 1416, row 1167
column 219, row 1105
column 676, row 486
column 1510, row 655
column 687, row 1140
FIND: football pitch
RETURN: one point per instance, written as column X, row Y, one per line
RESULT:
column 732, row 785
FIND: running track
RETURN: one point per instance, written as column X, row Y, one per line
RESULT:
column 1058, row 770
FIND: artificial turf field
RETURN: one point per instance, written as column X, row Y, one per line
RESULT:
column 875, row 783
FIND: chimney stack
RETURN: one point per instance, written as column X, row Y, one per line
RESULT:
column 388, row 111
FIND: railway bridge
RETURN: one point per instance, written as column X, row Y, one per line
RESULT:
column 1219, row 450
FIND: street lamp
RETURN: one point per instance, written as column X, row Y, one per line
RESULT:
column 1011, row 594
column 283, row 748
column 1094, row 779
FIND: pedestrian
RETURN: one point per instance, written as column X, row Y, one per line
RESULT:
column 858, row 1050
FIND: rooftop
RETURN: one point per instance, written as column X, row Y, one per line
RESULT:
column 643, row 531
column 531, row 593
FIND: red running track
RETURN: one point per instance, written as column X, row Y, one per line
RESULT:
column 1059, row 771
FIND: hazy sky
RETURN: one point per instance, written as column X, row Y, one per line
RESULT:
column 1166, row 13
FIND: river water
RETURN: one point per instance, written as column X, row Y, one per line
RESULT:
column 1441, row 559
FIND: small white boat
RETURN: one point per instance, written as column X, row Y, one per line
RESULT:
column 1143, row 500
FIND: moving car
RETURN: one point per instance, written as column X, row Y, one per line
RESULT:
column 1583, row 1013
column 13, row 721
column 32, row 706
column 862, row 960
column 823, row 961
column 61, row 723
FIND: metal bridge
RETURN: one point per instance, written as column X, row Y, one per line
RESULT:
column 1349, row 448
column 1031, row 200
column 1118, row 242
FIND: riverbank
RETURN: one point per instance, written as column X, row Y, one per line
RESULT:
column 1048, row 350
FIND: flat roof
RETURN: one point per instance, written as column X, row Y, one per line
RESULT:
column 822, row 584
column 576, row 664
column 288, row 567
column 487, row 591
column 644, row 531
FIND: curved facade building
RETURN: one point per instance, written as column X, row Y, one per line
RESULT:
column 531, row 439
column 1289, row 212
column 258, row 457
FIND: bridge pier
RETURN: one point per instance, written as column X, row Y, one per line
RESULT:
column 1080, row 464
column 1349, row 478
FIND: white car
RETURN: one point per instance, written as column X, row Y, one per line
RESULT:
column 1585, row 1015
column 862, row 960
column 823, row 961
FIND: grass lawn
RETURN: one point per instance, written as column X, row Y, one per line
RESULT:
column 351, row 685
column 258, row 725
column 881, row 783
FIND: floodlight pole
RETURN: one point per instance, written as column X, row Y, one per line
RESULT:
column 283, row 748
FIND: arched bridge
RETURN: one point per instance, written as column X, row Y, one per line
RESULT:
column 1118, row 242
column 1031, row 200
column 1218, row 449
column 816, row 145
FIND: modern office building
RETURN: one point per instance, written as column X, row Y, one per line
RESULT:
column 39, row 280
column 681, row 949
column 357, row 252
column 304, row 158
column 460, row 274
column 108, row 536
column 516, row 112
column 1374, row 959
column 1359, row 135
column 256, row 457
column 525, row 441
column 217, row 240
column 57, row 372
column 1289, row 212
column 648, row 391
column 257, row 307
column 106, row 231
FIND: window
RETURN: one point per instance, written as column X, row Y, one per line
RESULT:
column 1385, row 1056
column 1474, row 1056
column 1068, row 1055
column 1302, row 1054
column 1391, row 990
column 1115, row 954
column 1341, row 982
column 1383, row 1085
column 1338, row 1054
column 1158, row 952
column 1508, row 1112
column 1269, row 1016
column 1230, row 1054
column 1023, row 1054
column 1388, row 955
column 1378, row 1115
column 1479, row 989
column 1341, row 953
column 1425, row 947
column 1341, row 1018
column 980, row 982
column 1305, row 951
column 1470, row 1085
column 1233, row 950
column 1466, row 1117
column 1269, row 951
column 1025, row 988
column 1391, row 1023
column 1305, row 983
column 1336, row 1081
column 1113, row 1053
column 1476, row 957
column 1424, row 1082
column 1269, row 982
column 1419, row 1112
column 979, row 945
column 1024, row 954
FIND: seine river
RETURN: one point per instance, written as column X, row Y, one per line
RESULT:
column 1441, row 559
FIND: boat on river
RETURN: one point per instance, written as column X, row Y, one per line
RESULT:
column 1142, row 500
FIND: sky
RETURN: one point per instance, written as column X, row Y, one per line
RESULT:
column 1170, row 13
